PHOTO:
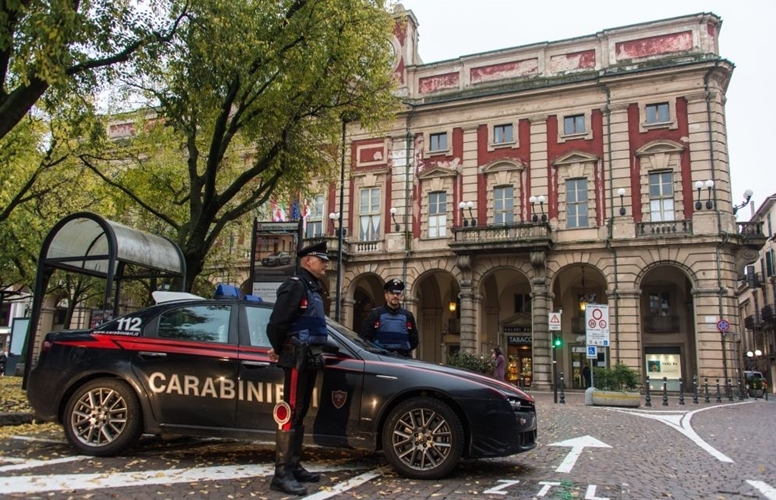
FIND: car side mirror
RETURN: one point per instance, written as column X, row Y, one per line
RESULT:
column 330, row 347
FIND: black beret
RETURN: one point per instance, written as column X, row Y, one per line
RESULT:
column 394, row 285
column 316, row 250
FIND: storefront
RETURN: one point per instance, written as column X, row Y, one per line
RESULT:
column 519, row 355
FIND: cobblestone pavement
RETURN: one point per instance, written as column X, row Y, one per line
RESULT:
column 710, row 450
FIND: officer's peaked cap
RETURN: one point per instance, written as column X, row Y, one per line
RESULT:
column 316, row 250
column 394, row 285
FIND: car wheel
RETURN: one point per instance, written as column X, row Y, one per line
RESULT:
column 103, row 418
column 423, row 439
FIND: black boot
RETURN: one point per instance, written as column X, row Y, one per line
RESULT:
column 284, row 474
column 300, row 473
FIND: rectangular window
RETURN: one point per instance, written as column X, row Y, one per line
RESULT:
column 574, row 124
column 313, row 209
column 437, row 215
column 196, row 323
column 658, row 113
column 769, row 270
column 369, row 214
column 438, row 142
column 503, row 134
column 659, row 303
column 661, row 196
column 504, row 205
column 576, row 203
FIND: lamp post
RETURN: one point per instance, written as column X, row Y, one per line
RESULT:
column 747, row 196
column 535, row 216
column 339, row 232
column 471, row 221
column 698, row 187
column 754, row 357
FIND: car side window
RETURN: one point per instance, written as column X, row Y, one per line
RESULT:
column 206, row 323
column 258, row 319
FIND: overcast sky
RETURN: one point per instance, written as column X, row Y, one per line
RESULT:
column 452, row 28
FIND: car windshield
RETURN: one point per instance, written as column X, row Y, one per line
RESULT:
column 354, row 337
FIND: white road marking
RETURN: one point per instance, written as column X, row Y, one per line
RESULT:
column 764, row 488
column 346, row 485
column 39, row 484
column 499, row 490
column 681, row 422
column 39, row 440
column 590, row 493
column 22, row 464
column 577, row 445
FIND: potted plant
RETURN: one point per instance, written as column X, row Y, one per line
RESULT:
column 616, row 386
column 755, row 387
column 476, row 363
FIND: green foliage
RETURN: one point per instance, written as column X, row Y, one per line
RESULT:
column 621, row 377
column 246, row 105
column 754, row 383
column 473, row 362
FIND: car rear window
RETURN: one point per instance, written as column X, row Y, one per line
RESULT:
column 205, row 323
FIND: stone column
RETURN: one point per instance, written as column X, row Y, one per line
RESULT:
column 628, row 339
column 541, row 302
column 347, row 313
column 469, row 332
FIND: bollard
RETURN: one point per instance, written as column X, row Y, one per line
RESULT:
column 681, row 392
column 695, row 389
column 719, row 395
column 730, row 390
column 665, row 391
column 740, row 390
column 647, row 397
column 706, row 390
column 562, row 390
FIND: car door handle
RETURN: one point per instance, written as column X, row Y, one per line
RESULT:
column 260, row 364
column 152, row 354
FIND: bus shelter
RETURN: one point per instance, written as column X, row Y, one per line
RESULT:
column 89, row 244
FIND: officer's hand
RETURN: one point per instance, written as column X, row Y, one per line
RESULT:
column 272, row 355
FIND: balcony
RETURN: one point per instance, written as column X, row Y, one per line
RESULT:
column 661, row 324
column 524, row 236
column 666, row 228
column 753, row 322
column 768, row 313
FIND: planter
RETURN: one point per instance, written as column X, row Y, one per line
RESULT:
column 616, row 398
column 756, row 393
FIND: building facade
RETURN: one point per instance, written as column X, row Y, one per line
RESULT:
column 546, row 178
column 757, row 301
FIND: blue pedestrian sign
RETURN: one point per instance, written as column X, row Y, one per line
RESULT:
column 592, row 352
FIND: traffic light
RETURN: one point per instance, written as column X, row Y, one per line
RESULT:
column 557, row 341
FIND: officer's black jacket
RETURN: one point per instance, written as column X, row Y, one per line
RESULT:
column 287, row 306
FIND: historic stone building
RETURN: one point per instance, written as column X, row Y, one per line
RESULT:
column 757, row 301
column 545, row 178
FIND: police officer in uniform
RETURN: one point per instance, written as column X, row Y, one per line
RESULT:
column 391, row 326
column 297, row 332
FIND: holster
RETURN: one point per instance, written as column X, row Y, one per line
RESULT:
column 299, row 355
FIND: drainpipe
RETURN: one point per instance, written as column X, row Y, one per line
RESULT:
column 721, row 290
column 610, row 224
column 407, row 194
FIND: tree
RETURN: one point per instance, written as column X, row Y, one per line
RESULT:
column 246, row 103
column 61, row 44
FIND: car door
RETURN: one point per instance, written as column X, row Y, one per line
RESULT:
column 187, row 364
column 335, row 410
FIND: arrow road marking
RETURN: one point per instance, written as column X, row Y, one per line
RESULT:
column 577, row 445
column 764, row 488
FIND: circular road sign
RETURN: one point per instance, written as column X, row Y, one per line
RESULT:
column 723, row 325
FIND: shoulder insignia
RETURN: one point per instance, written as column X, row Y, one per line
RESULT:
column 295, row 278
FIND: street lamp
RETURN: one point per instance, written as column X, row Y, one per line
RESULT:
column 621, row 194
column 747, row 196
column 698, row 186
column 754, row 357
column 533, row 200
column 467, row 222
column 340, row 232
column 396, row 226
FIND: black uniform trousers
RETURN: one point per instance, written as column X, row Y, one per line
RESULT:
column 298, row 393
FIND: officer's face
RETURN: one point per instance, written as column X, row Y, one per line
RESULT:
column 393, row 299
column 316, row 266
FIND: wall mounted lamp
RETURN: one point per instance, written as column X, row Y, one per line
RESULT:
column 471, row 221
column 452, row 306
column 621, row 194
column 747, row 196
column 533, row 200
column 396, row 226
column 336, row 221
column 698, row 186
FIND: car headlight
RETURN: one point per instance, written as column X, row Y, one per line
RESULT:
column 515, row 403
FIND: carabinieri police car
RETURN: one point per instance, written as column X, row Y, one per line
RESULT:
column 200, row 367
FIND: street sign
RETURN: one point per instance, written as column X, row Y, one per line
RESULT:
column 597, row 325
column 592, row 352
column 723, row 325
column 554, row 321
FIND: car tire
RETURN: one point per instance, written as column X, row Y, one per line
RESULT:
column 423, row 438
column 103, row 418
